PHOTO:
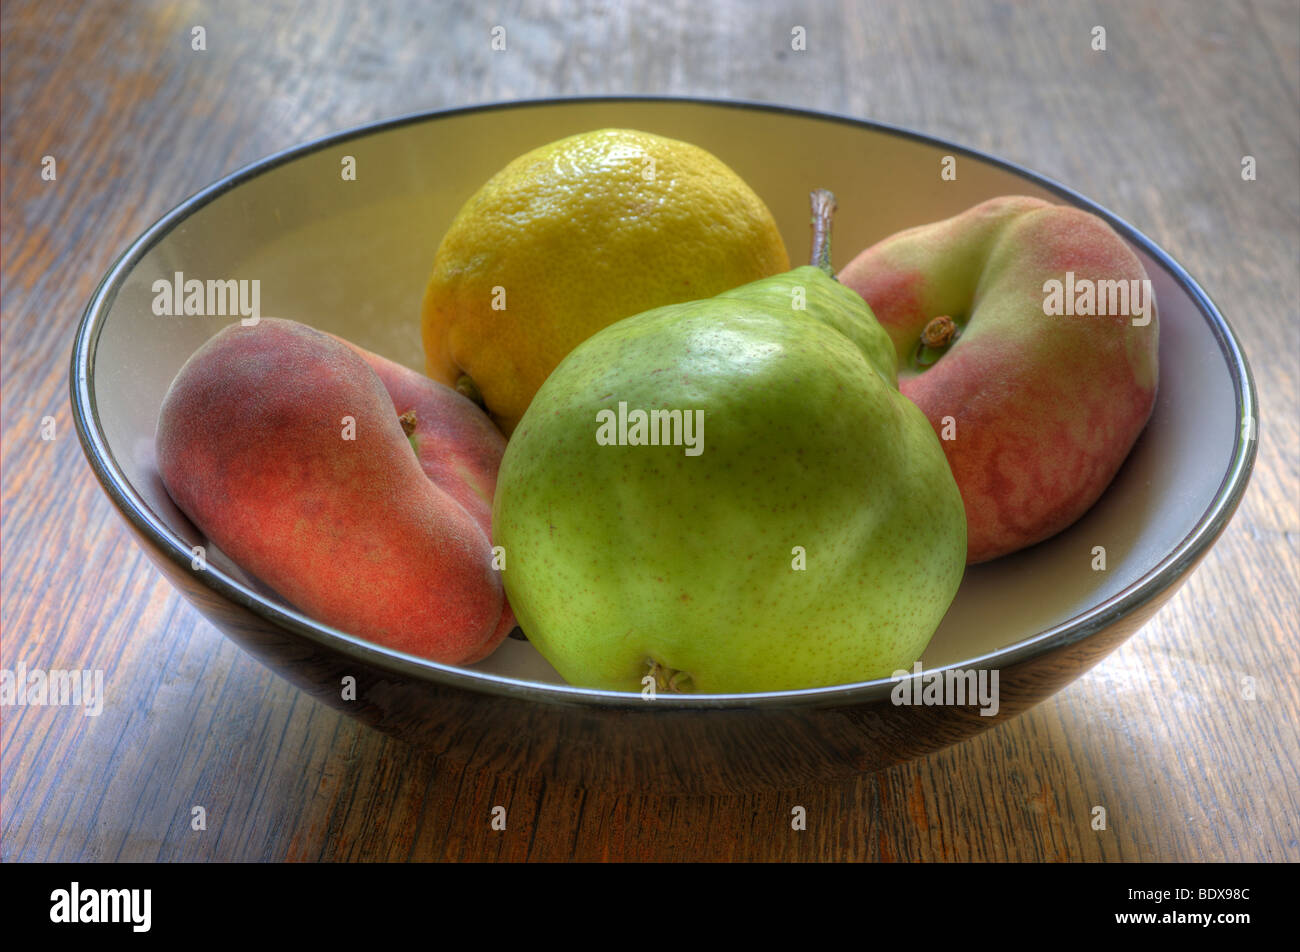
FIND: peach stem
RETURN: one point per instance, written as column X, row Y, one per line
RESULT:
column 939, row 332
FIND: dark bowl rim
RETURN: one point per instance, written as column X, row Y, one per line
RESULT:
column 1168, row 571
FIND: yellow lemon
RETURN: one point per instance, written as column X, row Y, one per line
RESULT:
column 578, row 234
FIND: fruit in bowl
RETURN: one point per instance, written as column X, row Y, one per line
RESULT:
column 1027, row 334
column 573, row 236
column 820, row 538
column 814, row 536
column 1041, row 618
column 283, row 445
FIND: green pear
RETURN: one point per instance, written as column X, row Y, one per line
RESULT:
column 731, row 495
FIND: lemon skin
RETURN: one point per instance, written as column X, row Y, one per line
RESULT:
column 574, row 236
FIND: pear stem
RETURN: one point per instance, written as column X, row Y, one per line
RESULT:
column 823, row 208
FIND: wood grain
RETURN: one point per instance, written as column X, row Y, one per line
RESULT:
column 1161, row 734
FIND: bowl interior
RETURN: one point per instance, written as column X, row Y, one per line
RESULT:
column 352, row 257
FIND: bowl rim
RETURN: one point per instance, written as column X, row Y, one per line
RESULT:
column 1165, row 573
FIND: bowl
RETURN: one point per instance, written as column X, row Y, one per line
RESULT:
column 351, row 255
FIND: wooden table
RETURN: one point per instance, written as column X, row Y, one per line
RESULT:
column 1155, row 127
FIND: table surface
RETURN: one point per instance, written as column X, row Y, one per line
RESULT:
column 1188, row 765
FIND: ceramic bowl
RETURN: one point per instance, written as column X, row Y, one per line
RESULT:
column 352, row 257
